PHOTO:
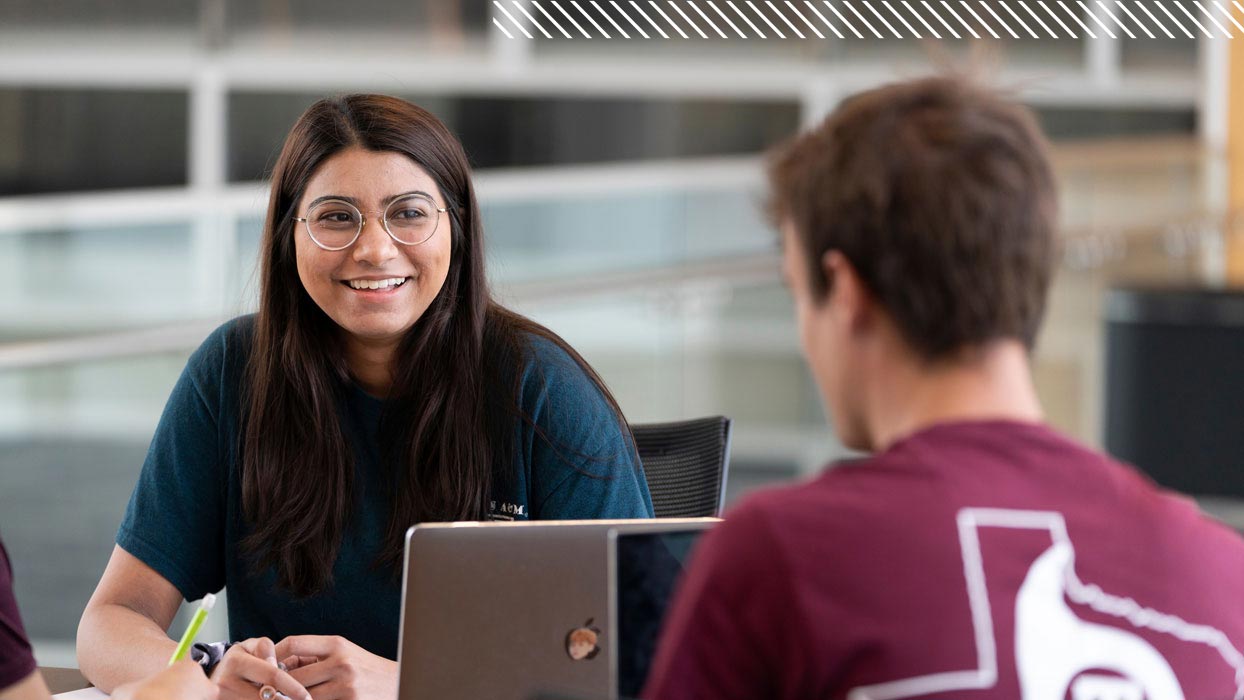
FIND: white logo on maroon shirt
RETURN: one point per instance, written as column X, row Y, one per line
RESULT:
column 1056, row 651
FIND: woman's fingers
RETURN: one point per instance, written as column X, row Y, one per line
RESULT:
column 242, row 674
column 260, row 647
column 310, row 645
column 294, row 661
column 312, row 676
column 335, row 690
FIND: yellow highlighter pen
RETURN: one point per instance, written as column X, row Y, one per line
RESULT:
column 192, row 630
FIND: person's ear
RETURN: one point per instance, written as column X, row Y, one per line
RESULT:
column 851, row 300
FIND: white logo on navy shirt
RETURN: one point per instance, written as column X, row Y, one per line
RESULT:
column 507, row 511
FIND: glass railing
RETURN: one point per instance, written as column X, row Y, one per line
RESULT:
column 95, row 277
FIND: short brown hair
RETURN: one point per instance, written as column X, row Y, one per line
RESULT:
column 941, row 195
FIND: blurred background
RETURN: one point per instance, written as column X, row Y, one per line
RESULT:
column 621, row 183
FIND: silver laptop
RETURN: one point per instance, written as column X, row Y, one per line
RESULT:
column 505, row 611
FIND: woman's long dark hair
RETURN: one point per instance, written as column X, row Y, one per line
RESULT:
column 447, row 425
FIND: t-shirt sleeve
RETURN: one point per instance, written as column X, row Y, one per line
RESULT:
column 582, row 460
column 730, row 631
column 175, row 519
column 17, row 660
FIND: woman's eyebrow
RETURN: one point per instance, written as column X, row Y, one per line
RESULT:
column 327, row 197
column 394, row 197
column 385, row 202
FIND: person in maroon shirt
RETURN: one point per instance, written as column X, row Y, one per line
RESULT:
column 977, row 553
column 21, row 680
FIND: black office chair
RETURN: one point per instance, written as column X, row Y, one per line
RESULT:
column 686, row 463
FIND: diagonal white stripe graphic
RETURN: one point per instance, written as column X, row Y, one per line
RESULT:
column 532, row 16
column 856, row 12
column 1155, row 19
column 589, row 18
column 511, row 17
column 1034, row 16
column 1093, row 16
column 628, row 19
column 945, row 24
column 901, row 18
column 1177, row 22
column 1058, row 19
column 922, row 20
column 518, row 6
column 811, row 26
column 611, row 21
column 785, row 19
column 746, row 19
column 984, row 24
column 832, row 28
column 1121, row 6
column 727, row 19
column 1017, row 18
column 544, row 12
column 965, row 24
column 673, row 24
column 503, row 29
column 884, row 21
column 1180, row 5
column 1005, row 26
column 766, row 19
column 840, row 16
column 706, row 19
column 572, row 20
column 1228, row 14
column 1077, row 19
column 640, row 10
column 687, row 19
column 1116, row 19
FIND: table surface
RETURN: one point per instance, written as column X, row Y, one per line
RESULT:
column 63, row 680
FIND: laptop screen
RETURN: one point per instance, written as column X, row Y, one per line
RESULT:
column 648, row 567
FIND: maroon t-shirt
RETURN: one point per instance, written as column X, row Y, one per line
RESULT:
column 17, row 661
column 970, row 560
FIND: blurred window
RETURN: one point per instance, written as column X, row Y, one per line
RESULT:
column 1070, row 123
column 60, row 140
column 276, row 16
column 503, row 132
column 96, row 15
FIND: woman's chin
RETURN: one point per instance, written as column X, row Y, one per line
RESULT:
column 380, row 332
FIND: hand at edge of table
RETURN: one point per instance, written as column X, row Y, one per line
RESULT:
column 339, row 669
column 250, row 665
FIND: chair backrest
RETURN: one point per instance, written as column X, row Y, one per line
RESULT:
column 686, row 463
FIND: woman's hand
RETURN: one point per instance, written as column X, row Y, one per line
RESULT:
column 339, row 669
column 250, row 665
column 183, row 680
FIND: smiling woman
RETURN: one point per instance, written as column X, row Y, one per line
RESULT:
column 374, row 277
column 378, row 386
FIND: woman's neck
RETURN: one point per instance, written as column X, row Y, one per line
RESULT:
column 371, row 363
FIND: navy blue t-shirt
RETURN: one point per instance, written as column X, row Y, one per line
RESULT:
column 185, row 517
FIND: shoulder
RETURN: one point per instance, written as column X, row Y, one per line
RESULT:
column 837, row 511
column 547, row 354
column 550, row 369
column 219, row 363
column 227, row 341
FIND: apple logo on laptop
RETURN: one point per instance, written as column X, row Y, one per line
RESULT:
column 581, row 641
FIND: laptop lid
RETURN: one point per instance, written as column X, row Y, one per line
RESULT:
column 496, row 609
